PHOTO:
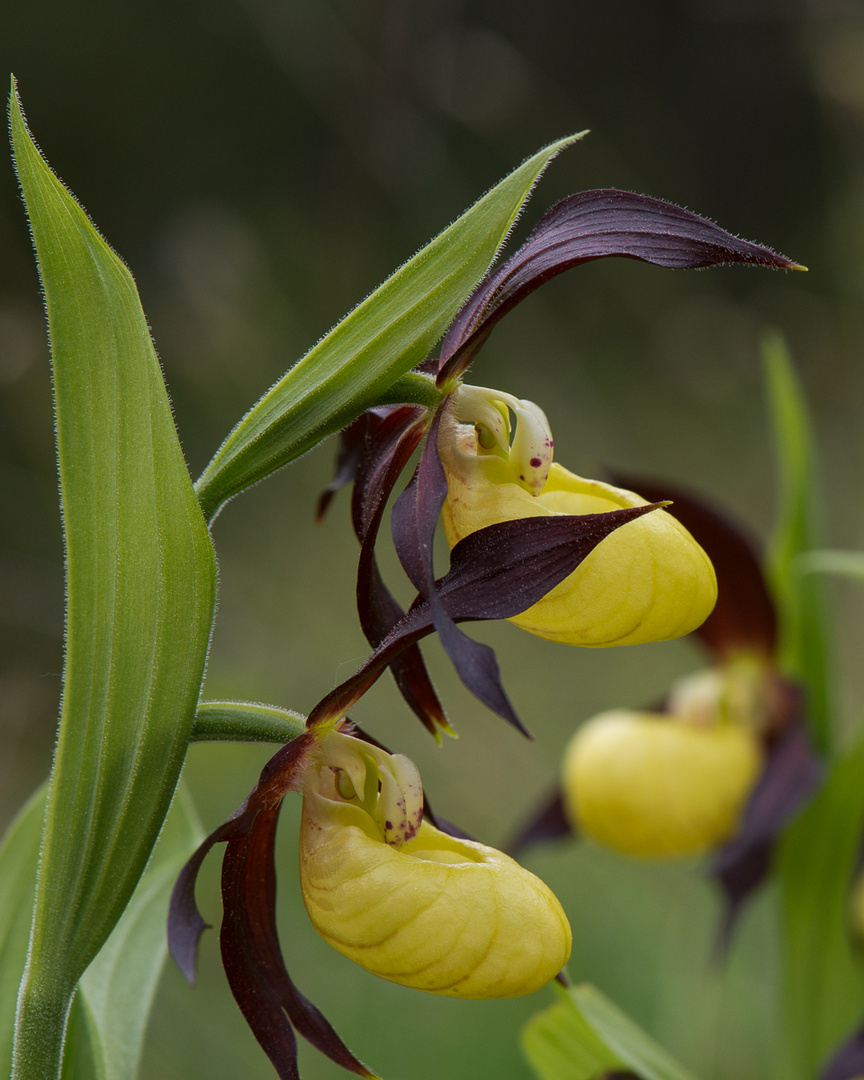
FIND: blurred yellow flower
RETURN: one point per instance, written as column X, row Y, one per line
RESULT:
column 652, row 785
column 648, row 581
column 410, row 903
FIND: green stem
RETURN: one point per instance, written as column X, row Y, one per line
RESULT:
column 245, row 721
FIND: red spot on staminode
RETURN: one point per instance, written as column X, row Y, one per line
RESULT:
column 535, row 462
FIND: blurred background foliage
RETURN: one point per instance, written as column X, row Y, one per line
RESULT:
column 261, row 165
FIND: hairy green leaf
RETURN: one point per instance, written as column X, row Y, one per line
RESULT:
column 804, row 639
column 584, row 1035
column 140, row 591
column 391, row 331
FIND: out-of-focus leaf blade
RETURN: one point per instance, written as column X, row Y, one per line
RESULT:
column 120, row 984
column 848, row 564
column 560, row 1045
column 637, row 1050
column 804, row 650
column 823, row 982
column 584, row 1036
column 83, row 1052
column 386, row 335
column 140, row 594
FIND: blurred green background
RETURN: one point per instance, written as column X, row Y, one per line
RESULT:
column 261, row 165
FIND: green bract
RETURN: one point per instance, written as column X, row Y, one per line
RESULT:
column 355, row 366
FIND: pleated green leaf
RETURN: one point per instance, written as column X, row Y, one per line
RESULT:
column 140, row 591
column 584, row 1035
column 823, row 981
column 357, row 363
column 805, row 641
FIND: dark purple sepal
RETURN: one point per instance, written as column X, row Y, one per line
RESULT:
column 252, row 957
column 251, row 954
column 848, row 1061
column 409, row 671
column 548, row 822
column 495, row 573
column 391, row 437
column 413, row 521
column 744, row 618
column 349, row 455
column 790, row 778
column 415, row 514
column 592, row 225
column 185, row 922
column 477, row 667
column 502, row 570
column 389, row 433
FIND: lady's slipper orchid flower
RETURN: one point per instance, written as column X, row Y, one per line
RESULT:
column 648, row 581
column 724, row 765
column 428, row 892
column 377, row 446
column 386, row 887
column 409, row 902
column 655, row 785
